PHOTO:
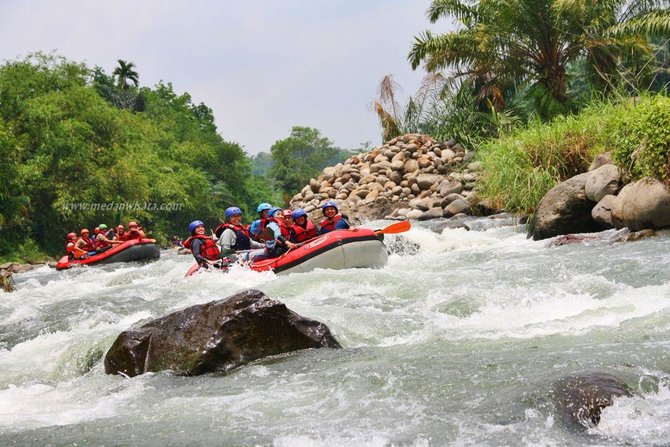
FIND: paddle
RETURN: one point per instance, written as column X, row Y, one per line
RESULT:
column 395, row 228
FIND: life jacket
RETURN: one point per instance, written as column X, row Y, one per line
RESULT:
column 99, row 243
column 122, row 236
column 242, row 241
column 89, row 245
column 303, row 234
column 284, row 230
column 208, row 250
column 69, row 248
column 132, row 234
column 328, row 225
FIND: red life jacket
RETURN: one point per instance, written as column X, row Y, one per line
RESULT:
column 329, row 224
column 99, row 243
column 242, row 238
column 132, row 234
column 69, row 248
column 208, row 250
column 282, row 227
column 89, row 245
column 303, row 234
column 122, row 236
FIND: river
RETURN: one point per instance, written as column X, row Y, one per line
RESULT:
column 455, row 342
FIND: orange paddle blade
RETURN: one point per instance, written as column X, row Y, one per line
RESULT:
column 394, row 228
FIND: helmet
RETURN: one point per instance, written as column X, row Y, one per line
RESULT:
column 84, row 231
column 287, row 213
column 328, row 204
column 102, row 226
column 298, row 213
column 193, row 225
column 262, row 207
column 71, row 235
column 233, row 211
column 120, row 227
column 273, row 210
column 132, row 223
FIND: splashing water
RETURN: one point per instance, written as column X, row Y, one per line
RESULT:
column 455, row 342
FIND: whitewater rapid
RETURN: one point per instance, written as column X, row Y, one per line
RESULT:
column 455, row 342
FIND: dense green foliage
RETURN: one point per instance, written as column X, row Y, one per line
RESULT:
column 501, row 45
column 72, row 159
column 302, row 156
column 642, row 140
column 521, row 168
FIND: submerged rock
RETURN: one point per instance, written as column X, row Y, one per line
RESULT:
column 581, row 398
column 216, row 336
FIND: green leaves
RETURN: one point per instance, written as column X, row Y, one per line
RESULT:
column 64, row 142
column 300, row 157
column 643, row 140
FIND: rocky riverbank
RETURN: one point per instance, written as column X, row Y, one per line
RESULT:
column 409, row 177
column 8, row 268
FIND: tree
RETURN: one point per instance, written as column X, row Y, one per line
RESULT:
column 125, row 75
column 502, row 43
column 301, row 156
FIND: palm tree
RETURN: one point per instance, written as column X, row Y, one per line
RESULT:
column 502, row 43
column 124, row 73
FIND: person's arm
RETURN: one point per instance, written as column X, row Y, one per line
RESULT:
column 342, row 224
column 278, row 236
column 195, row 249
column 227, row 241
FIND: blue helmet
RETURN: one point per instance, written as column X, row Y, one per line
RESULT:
column 328, row 204
column 298, row 213
column 262, row 207
column 233, row 211
column 273, row 210
column 193, row 225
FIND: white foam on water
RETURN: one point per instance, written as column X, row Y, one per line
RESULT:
column 44, row 405
column 643, row 419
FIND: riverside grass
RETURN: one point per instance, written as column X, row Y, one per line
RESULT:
column 520, row 168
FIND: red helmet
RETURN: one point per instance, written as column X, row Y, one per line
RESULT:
column 132, row 223
column 84, row 230
column 72, row 235
column 96, row 230
column 287, row 213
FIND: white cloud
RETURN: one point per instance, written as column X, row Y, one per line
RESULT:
column 262, row 66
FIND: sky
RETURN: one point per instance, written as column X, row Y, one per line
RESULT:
column 261, row 66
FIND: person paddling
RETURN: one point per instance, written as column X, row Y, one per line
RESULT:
column 70, row 243
column 255, row 227
column 334, row 220
column 102, row 242
column 276, row 234
column 204, row 248
column 84, row 245
column 233, row 236
column 303, row 228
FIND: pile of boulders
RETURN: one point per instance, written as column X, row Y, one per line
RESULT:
column 597, row 200
column 410, row 177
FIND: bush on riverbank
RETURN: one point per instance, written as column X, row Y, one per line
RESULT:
column 643, row 140
column 521, row 168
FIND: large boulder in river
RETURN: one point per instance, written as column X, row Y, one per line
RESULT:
column 642, row 204
column 564, row 209
column 216, row 336
column 581, row 398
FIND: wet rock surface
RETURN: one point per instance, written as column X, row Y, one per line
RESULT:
column 217, row 336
